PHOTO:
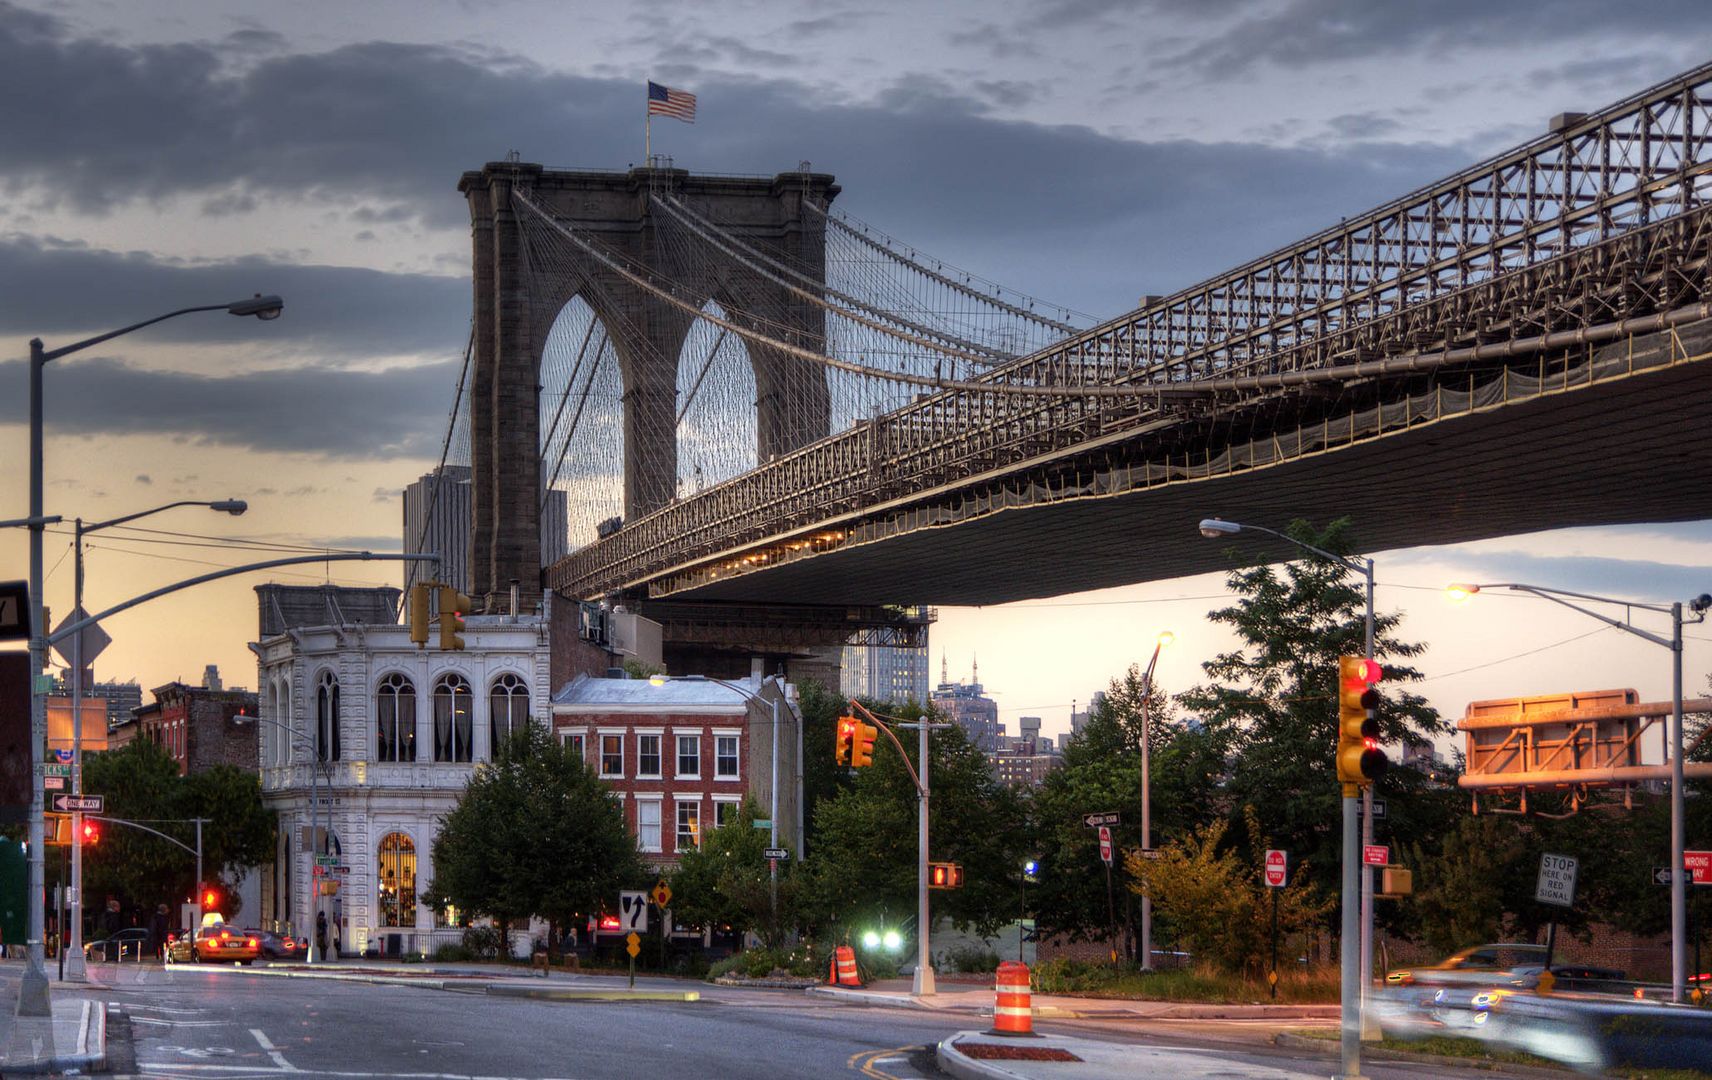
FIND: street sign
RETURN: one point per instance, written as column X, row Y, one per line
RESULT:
column 1661, row 874
column 1378, row 809
column 1094, row 821
column 53, row 783
column 1699, row 867
column 86, row 804
column 760, row 823
column 52, row 769
column 63, row 755
column 14, row 611
column 1150, row 853
column 662, row 894
column 326, row 860
column 1375, row 854
column 1106, row 845
column 95, row 639
column 632, row 945
column 633, row 912
column 1556, row 883
column 1277, row 868
column 777, row 853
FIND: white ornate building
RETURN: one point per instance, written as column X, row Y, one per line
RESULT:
column 400, row 731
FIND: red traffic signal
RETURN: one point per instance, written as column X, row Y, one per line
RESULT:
column 846, row 735
column 91, row 834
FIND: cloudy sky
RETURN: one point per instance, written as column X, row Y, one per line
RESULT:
column 159, row 154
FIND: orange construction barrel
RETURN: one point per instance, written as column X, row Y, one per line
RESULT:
column 1012, row 1013
column 847, row 967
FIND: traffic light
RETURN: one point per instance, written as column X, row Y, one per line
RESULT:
column 209, row 897
column 846, row 735
column 862, row 745
column 1360, row 761
column 944, row 875
column 91, row 834
column 419, row 614
column 454, row 605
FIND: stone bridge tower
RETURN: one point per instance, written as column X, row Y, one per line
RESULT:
column 513, row 315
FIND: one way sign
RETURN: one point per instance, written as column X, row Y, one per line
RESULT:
column 14, row 611
column 1661, row 875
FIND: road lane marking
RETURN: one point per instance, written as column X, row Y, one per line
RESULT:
column 866, row 1060
column 179, row 1023
column 272, row 1051
column 228, row 1070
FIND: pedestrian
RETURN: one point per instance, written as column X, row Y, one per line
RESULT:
column 321, row 934
column 338, row 939
column 159, row 923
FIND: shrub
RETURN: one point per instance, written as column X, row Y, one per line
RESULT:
column 485, row 942
column 452, row 953
column 972, row 959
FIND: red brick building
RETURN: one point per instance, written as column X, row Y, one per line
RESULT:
column 681, row 753
column 196, row 725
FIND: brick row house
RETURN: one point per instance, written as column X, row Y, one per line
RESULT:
column 681, row 753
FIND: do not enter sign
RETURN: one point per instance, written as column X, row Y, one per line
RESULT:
column 1106, row 845
column 1277, row 868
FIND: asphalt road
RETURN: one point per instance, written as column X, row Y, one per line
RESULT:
column 192, row 1023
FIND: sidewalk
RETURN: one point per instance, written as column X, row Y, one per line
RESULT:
column 978, row 1001
column 498, row 980
column 977, row 1055
column 73, row 1038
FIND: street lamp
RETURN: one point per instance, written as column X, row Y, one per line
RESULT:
column 773, row 812
column 1165, row 638
column 298, row 741
column 1699, row 605
column 1356, row 941
column 33, row 988
column 75, row 970
column 1029, row 869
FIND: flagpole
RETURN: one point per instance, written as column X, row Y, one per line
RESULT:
column 647, row 131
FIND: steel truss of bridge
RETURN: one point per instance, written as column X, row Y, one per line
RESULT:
column 1519, row 346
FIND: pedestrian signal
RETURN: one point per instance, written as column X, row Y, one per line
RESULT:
column 944, row 875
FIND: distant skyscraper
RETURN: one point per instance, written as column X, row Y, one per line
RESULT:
column 437, row 516
column 886, row 673
column 967, row 705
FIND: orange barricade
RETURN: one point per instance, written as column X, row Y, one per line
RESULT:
column 832, row 971
column 847, row 967
column 1012, row 1014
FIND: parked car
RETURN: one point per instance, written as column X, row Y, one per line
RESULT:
column 179, row 947
column 131, row 943
column 280, row 946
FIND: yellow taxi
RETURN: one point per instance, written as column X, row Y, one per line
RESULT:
column 218, row 943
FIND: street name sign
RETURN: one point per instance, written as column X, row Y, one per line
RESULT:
column 1556, row 884
column 82, row 804
column 760, row 823
column 1378, row 809
column 1375, row 854
column 1150, row 853
column 55, row 769
column 1277, row 868
column 14, row 611
column 633, row 912
column 1094, row 821
column 777, row 853
column 1106, row 845
column 1699, row 867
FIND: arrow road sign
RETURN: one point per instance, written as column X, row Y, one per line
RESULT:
column 633, row 911
column 14, row 611
column 86, row 804
column 1661, row 875
column 1094, row 821
column 777, row 853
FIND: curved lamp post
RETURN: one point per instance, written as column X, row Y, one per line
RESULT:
column 1699, row 605
column 33, row 988
column 1356, row 942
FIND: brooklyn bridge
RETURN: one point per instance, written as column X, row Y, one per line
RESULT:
column 776, row 425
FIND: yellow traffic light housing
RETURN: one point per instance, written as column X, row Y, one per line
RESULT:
column 1360, row 761
column 862, row 745
column 454, row 605
column 846, row 735
column 419, row 614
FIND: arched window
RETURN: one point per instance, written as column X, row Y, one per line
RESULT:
column 507, row 711
column 395, row 710
column 327, row 717
column 452, row 719
column 397, row 880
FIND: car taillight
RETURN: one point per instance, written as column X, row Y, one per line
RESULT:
column 170, row 938
column 224, row 934
column 253, row 943
column 290, row 944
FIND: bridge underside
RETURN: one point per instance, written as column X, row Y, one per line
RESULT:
column 1632, row 450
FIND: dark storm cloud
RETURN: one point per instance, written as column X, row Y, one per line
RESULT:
column 53, row 288
column 1311, row 31
column 324, row 412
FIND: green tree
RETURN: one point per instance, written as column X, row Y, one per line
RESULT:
column 1272, row 701
column 534, row 833
column 823, row 778
column 140, row 782
column 726, row 882
column 864, row 861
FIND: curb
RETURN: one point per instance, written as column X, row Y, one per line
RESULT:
column 1329, row 1048
column 89, row 1053
column 874, row 997
column 549, row 993
column 964, row 1067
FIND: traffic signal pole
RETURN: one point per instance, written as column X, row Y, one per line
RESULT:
column 1369, row 1029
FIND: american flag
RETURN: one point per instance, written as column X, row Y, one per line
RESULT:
column 664, row 101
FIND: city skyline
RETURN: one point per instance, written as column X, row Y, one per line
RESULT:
column 195, row 153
